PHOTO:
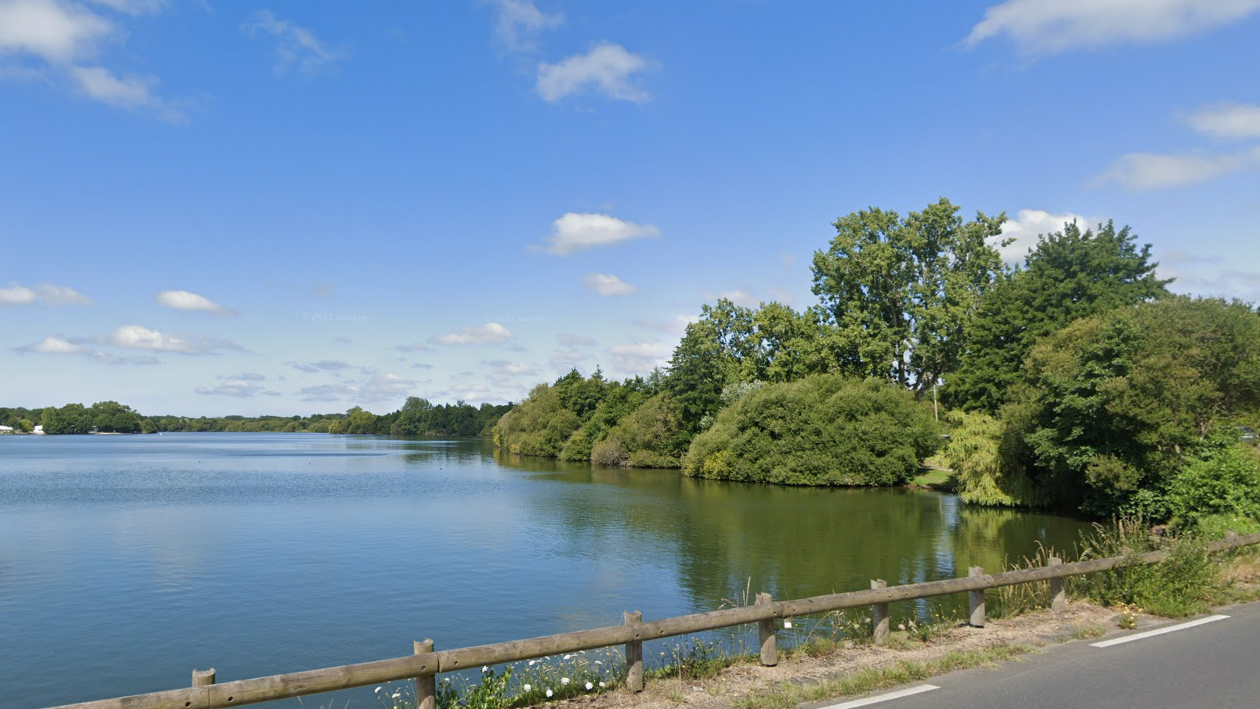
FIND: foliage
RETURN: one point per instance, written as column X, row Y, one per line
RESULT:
column 1178, row 586
column 651, row 437
column 1115, row 403
column 1069, row 275
column 974, row 453
column 540, row 425
column 102, row 417
column 901, row 291
column 1222, row 484
column 822, row 430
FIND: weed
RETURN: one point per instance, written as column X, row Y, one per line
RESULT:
column 1127, row 617
column 1178, row 586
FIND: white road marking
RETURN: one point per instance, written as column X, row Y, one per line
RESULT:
column 1159, row 631
column 910, row 692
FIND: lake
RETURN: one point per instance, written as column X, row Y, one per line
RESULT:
column 128, row 561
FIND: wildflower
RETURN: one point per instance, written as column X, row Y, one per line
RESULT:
column 564, row 680
column 395, row 695
column 527, row 688
column 549, row 694
column 378, row 690
column 901, row 626
column 567, row 657
column 598, row 662
column 485, row 668
column 589, row 686
column 602, row 685
column 531, row 662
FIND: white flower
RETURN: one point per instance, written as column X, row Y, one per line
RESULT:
column 549, row 694
column 527, row 688
column 589, row 686
column 564, row 680
column 395, row 695
column 531, row 662
column 485, row 668
column 378, row 690
column 601, row 684
column 598, row 662
column 567, row 656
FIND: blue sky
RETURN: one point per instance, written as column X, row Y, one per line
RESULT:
column 292, row 207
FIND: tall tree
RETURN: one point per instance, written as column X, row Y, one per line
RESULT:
column 900, row 292
column 1069, row 275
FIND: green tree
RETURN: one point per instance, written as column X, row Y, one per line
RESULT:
column 1115, row 403
column 1069, row 275
column 900, row 292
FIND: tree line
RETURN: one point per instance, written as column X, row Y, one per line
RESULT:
column 416, row 417
column 1072, row 380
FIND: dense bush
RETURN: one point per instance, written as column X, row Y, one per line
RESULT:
column 821, row 430
column 1223, row 484
column 1180, row 585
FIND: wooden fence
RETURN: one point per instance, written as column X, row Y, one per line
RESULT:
column 425, row 663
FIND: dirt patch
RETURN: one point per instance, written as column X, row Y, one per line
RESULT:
column 1081, row 620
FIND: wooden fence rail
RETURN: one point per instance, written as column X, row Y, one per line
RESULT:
column 425, row 662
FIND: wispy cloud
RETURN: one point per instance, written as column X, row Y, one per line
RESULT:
column 54, row 345
column 503, row 366
column 1053, row 26
column 606, row 284
column 42, row 294
column 1150, row 171
column 141, row 338
column 324, row 365
column 489, row 334
column 606, row 69
column 63, row 40
column 738, row 296
column 576, row 231
column 183, row 300
column 239, row 387
column 1228, row 121
column 380, row 386
column 518, row 22
column 575, row 340
column 640, row 358
column 296, row 46
column 674, row 326
column 1211, row 276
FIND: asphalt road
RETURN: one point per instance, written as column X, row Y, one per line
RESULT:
column 1214, row 665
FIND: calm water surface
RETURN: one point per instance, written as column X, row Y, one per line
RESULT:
column 127, row 561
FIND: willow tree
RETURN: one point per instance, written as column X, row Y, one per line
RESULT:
column 901, row 291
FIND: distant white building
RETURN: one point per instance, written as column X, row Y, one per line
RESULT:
column 5, row 429
column 38, row 430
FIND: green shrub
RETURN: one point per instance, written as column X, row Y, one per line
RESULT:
column 1223, row 483
column 1176, row 587
column 821, row 430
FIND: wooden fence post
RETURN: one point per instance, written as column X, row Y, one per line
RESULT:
column 426, row 685
column 765, row 628
column 879, row 616
column 1058, row 589
column 201, row 678
column 634, row 654
column 977, row 599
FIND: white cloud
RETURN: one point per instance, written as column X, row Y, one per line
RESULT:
column 1150, row 171
column 43, row 294
column 575, row 340
column 183, row 300
column 56, row 345
column 491, row 333
column 640, row 358
column 676, row 325
column 239, row 388
column 295, row 45
column 607, row 284
column 577, row 231
column 381, row 386
column 67, row 37
column 518, row 23
column 421, row 365
column 737, row 296
column 17, row 295
column 515, row 369
column 413, row 347
column 132, row 7
column 1210, row 276
column 1051, row 26
column 1025, row 230
column 564, row 360
column 141, row 338
column 53, row 345
column 606, row 68
column 1226, row 120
